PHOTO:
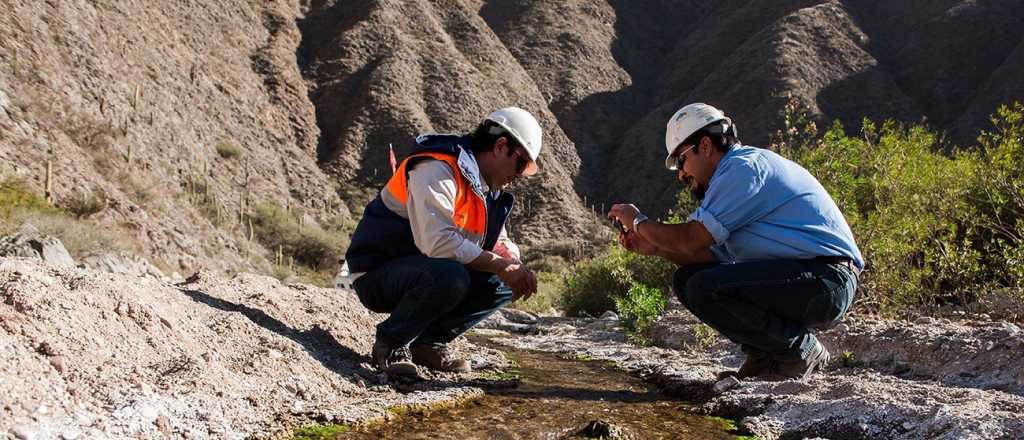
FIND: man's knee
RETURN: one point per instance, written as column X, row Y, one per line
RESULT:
column 687, row 291
column 451, row 281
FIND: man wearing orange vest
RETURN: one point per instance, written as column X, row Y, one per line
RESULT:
column 432, row 249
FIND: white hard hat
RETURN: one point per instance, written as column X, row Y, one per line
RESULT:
column 524, row 128
column 687, row 121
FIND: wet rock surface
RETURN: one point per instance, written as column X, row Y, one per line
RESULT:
column 935, row 378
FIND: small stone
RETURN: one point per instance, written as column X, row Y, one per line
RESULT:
column 274, row 354
column 726, row 384
column 924, row 320
column 163, row 424
column 58, row 363
column 24, row 433
column 297, row 406
column 121, row 309
column 70, row 435
column 149, row 413
column 1012, row 329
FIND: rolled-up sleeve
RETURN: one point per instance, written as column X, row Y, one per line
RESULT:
column 730, row 202
column 431, row 206
column 718, row 232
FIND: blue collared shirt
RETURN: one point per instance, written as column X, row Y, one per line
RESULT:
column 762, row 206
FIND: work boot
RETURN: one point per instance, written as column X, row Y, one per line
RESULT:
column 801, row 369
column 393, row 361
column 756, row 364
column 438, row 357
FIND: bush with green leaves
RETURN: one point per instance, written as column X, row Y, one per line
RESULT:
column 638, row 308
column 589, row 287
column 934, row 227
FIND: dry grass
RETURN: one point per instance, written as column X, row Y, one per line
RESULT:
column 228, row 150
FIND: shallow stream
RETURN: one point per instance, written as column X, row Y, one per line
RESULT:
column 555, row 397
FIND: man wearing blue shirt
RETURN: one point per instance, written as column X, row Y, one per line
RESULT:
column 766, row 258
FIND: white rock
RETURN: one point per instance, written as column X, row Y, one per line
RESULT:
column 148, row 412
column 609, row 315
column 70, row 435
column 274, row 354
column 24, row 433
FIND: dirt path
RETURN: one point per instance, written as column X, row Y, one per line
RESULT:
column 85, row 354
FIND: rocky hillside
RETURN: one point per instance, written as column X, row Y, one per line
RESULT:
column 294, row 102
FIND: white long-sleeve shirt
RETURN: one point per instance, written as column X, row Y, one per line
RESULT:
column 430, row 209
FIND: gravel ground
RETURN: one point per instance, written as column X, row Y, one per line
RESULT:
column 85, row 354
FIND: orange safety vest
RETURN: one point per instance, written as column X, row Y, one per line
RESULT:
column 470, row 213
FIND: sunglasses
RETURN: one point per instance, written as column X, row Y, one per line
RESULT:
column 681, row 158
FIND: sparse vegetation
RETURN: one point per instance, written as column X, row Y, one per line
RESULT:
column 590, row 286
column 638, row 308
column 319, row 432
column 317, row 250
column 20, row 205
column 546, row 300
column 15, row 196
column 704, row 335
column 85, row 203
column 228, row 150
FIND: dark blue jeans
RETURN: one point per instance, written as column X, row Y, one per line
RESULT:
column 430, row 300
column 768, row 307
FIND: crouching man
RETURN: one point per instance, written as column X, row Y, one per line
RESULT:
column 432, row 249
column 766, row 259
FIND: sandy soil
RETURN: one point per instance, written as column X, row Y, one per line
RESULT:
column 87, row 354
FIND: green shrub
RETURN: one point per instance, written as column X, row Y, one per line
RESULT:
column 228, row 150
column 935, row 228
column 591, row 285
column 638, row 308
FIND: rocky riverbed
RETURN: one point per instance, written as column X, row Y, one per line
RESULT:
column 88, row 354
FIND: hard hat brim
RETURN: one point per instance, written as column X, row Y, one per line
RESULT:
column 531, row 168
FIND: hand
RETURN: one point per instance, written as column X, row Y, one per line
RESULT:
column 633, row 242
column 624, row 213
column 521, row 280
column 507, row 250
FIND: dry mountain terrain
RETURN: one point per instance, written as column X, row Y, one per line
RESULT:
column 314, row 91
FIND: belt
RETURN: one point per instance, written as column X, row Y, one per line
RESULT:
column 836, row 259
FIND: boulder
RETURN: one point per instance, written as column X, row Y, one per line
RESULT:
column 31, row 243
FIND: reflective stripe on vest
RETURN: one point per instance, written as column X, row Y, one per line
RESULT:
column 470, row 211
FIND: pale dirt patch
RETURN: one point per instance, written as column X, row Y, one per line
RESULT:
column 85, row 354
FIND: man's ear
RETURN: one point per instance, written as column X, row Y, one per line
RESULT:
column 501, row 145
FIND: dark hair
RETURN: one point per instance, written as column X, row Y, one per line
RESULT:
column 721, row 141
column 486, row 134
